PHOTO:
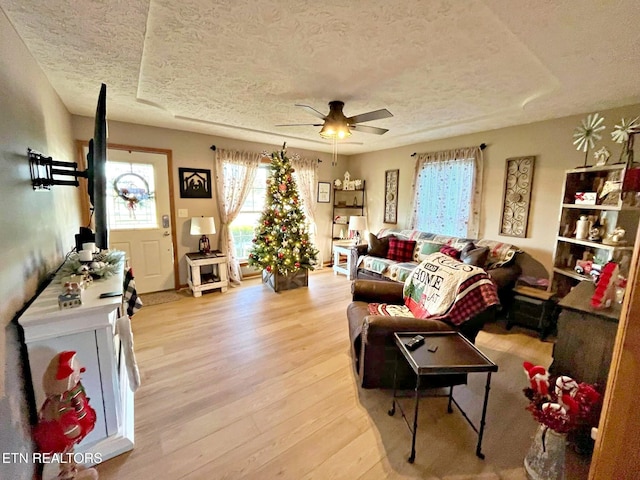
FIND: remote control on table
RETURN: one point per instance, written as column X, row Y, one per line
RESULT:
column 415, row 342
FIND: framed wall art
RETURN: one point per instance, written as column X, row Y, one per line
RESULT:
column 391, row 196
column 518, row 181
column 324, row 192
column 195, row 183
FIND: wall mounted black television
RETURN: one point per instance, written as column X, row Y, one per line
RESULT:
column 96, row 172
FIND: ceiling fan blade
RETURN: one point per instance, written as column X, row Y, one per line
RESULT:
column 368, row 129
column 312, row 111
column 367, row 117
column 300, row 125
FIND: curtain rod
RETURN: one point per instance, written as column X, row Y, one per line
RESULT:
column 213, row 147
column 482, row 147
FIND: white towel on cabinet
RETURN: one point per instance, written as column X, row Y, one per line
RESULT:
column 123, row 329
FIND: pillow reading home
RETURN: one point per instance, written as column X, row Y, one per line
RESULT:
column 439, row 282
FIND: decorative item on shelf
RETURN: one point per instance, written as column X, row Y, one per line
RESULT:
column 357, row 224
column 103, row 264
column 357, row 184
column 586, row 134
column 631, row 181
column 341, row 219
column 585, row 198
column 566, row 410
column 605, row 293
column 602, row 156
column 609, row 193
column 203, row 226
column 341, row 203
column 65, row 417
column 355, row 201
column 615, row 237
column 624, row 133
column 583, row 225
column 595, row 234
column 337, row 183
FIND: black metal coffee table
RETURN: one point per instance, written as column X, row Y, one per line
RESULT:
column 442, row 353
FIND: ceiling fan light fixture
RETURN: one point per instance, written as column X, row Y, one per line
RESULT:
column 331, row 130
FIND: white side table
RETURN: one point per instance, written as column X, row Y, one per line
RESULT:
column 341, row 264
column 199, row 282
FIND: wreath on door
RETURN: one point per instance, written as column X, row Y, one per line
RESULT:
column 132, row 188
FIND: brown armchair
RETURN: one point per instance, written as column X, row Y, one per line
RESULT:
column 372, row 344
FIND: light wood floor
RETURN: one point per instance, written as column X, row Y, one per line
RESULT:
column 254, row 384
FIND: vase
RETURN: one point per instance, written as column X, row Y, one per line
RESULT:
column 546, row 457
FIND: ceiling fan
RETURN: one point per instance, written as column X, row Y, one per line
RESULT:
column 337, row 125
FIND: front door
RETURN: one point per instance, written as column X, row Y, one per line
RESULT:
column 139, row 215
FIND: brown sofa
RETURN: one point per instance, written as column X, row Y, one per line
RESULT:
column 372, row 344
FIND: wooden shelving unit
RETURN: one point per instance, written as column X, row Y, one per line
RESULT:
column 611, row 210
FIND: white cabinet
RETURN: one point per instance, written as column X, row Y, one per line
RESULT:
column 90, row 331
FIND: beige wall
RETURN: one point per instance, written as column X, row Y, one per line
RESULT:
column 193, row 150
column 36, row 228
column 551, row 143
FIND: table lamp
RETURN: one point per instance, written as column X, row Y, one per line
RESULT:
column 203, row 226
column 357, row 223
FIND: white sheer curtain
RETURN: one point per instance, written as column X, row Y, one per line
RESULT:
column 235, row 173
column 447, row 192
column 306, row 172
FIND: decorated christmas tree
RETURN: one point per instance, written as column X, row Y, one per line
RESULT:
column 281, row 244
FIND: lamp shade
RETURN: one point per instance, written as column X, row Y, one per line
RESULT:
column 335, row 130
column 202, row 226
column 358, row 223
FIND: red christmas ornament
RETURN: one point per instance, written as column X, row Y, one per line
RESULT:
column 284, row 229
column 280, row 255
column 283, row 187
column 268, row 268
column 297, row 264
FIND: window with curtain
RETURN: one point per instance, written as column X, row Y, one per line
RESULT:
column 447, row 192
column 245, row 223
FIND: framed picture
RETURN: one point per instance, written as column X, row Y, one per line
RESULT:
column 324, row 192
column 518, row 180
column 195, row 183
column 391, row 196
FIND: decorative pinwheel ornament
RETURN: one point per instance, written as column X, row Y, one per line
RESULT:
column 624, row 133
column 586, row 135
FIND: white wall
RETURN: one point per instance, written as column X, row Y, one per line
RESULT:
column 550, row 141
column 36, row 229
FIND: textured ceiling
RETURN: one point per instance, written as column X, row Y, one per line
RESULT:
column 235, row 68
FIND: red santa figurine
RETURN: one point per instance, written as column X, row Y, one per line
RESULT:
column 66, row 416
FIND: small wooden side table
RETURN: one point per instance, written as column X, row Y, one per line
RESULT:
column 533, row 308
column 346, row 267
column 199, row 282
column 442, row 353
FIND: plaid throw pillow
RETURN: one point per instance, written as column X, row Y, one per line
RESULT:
column 452, row 252
column 401, row 250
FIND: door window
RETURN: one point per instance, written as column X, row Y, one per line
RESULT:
column 130, row 199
